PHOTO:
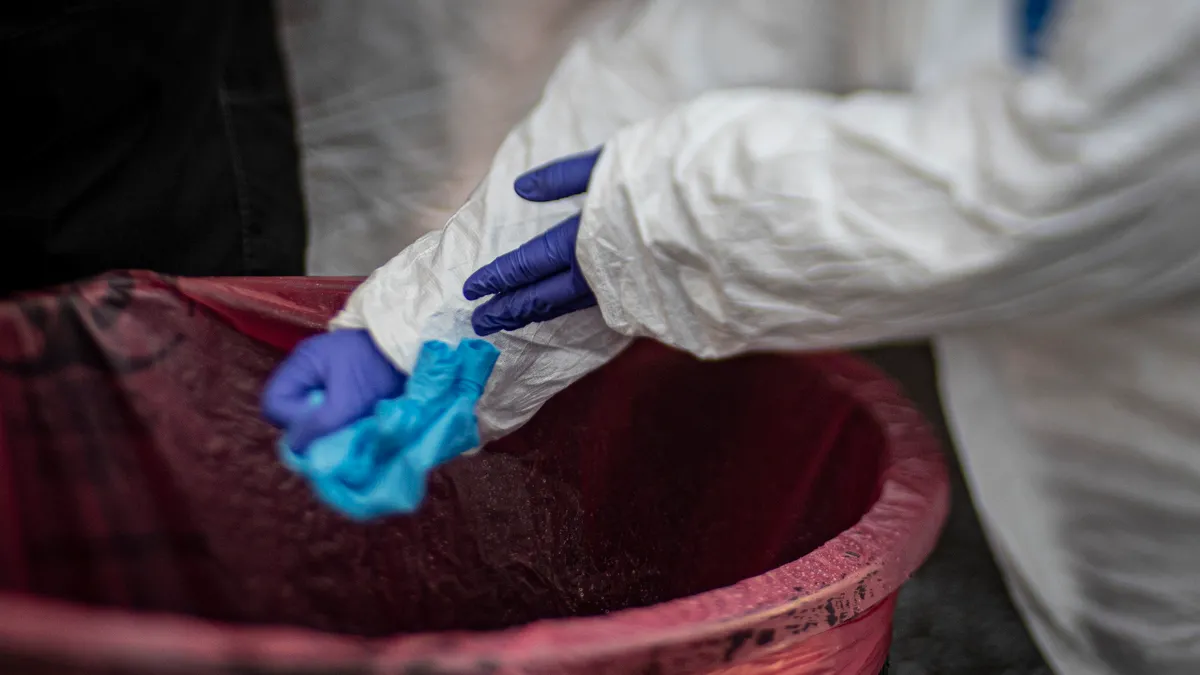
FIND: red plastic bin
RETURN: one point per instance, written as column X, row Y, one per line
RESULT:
column 664, row 515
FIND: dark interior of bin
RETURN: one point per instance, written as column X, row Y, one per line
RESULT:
column 656, row 478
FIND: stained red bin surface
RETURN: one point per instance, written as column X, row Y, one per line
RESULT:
column 662, row 516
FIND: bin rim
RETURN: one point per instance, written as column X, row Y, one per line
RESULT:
column 840, row 581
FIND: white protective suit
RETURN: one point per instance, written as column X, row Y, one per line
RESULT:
column 807, row 175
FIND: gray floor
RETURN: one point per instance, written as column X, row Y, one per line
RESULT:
column 955, row 616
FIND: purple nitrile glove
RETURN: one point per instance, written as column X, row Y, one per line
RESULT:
column 540, row 280
column 347, row 368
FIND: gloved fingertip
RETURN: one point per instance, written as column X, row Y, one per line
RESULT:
column 528, row 187
column 494, row 316
column 565, row 177
column 590, row 158
column 484, row 331
column 564, row 235
column 479, row 284
column 483, row 325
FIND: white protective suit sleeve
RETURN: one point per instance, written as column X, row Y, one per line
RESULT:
column 768, row 219
column 620, row 72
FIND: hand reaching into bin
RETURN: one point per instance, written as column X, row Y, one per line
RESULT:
column 347, row 368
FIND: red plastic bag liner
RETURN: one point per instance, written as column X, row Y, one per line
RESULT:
column 663, row 515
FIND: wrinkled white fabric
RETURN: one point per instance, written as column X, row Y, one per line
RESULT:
column 761, row 189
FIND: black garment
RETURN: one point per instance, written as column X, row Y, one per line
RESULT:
column 145, row 134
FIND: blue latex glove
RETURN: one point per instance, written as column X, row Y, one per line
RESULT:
column 378, row 465
column 348, row 370
column 540, row 280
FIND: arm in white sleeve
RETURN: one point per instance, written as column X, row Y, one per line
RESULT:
column 640, row 62
column 750, row 220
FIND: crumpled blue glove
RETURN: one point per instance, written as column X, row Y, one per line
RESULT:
column 346, row 369
column 378, row 465
column 540, row 280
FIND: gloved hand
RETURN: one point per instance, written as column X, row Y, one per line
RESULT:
column 540, row 280
column 347, row 368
